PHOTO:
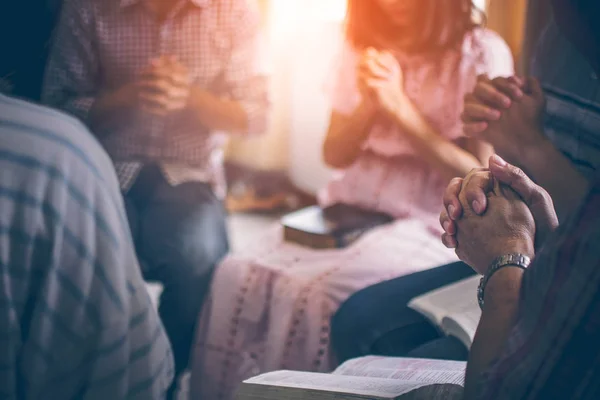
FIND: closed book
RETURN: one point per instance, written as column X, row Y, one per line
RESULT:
column 332, row 227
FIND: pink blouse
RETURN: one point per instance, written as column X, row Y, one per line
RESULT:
column 389, row 175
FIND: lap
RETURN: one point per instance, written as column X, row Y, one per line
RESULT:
column 279, row 296
column 386, row 301
column 378, row 319
column 400, row 248
column 183, row 225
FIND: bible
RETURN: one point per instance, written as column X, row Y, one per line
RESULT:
column 453, row 308
column 333, row 227
column 377, row 378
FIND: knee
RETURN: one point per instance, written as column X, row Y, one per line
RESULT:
column 193, row 245
column 350, row 329
column 200, row 248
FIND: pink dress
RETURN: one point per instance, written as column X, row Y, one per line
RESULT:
column 270, row 305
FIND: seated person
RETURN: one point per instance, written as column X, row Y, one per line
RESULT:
column 76, row 321
column 159, row 82
column 538, row 334
column 396, row 135
column 561, row 159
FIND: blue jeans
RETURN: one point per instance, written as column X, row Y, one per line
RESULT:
column 377, row 320
column 180, row 236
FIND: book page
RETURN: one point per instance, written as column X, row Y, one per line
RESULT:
column 405, row 369
column 358, row 385
column 463, row 325
column 452, row 301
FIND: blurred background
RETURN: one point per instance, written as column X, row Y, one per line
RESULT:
column 283, row 167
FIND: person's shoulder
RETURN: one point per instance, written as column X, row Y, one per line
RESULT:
column 489, row 52
column 486, row 41
column 50, row 136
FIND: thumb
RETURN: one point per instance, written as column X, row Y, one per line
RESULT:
column 513, row 177
column 537, row 199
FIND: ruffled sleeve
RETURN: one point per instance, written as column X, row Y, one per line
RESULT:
column 496, row 57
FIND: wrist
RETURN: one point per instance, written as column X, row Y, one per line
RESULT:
column 404, row 112
column 536, row 153
column 499, row 267
column 517, row 246
column 503, row 286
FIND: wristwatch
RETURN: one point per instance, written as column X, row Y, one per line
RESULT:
column 508, row 260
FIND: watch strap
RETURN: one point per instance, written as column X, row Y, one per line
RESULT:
column 508, row 260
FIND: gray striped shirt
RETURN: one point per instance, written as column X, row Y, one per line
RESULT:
column 76, row 320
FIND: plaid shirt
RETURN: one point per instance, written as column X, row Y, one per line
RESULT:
column 101, row 45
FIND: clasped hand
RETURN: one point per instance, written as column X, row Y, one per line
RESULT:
column 494, row 212
column 508, row 113
column 380, row 81
column 164, row 87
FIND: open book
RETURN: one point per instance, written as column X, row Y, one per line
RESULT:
column 370, row 377
column 453, row 308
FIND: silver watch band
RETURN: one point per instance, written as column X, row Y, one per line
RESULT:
column 508, row 260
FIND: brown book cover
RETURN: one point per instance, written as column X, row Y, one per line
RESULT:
column 333, row 227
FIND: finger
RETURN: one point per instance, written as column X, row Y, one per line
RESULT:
column 447, row 224
column 153, row 100
column 514, row 177
column 451, row 203
column 483, row 78
column 480, row 112
column 534, row 87
column 517, row 80
column 488, row 94
column 374, row 69
column 474, row 128
column 165, row 88
column 386, row 60
column 508, row 88
column 537, row 199
column 475, row 188
column 449, row 241
column 174, row 77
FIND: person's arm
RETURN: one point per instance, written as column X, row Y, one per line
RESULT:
column 518, row 136
column 498, row 317
column 244, row 105
column 72, row 73
column 346, row 135
column 444, row 155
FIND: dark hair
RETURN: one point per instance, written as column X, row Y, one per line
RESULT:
column 444, row 24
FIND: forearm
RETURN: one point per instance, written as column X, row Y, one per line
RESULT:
column 346, row 136
column 499, row 314
column 109, row 109
column 563, row 181
column 218, row 114
column 445, row 156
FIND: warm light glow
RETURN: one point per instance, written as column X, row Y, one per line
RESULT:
column 289, row 15
column 331, row 10
column 481, row 4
